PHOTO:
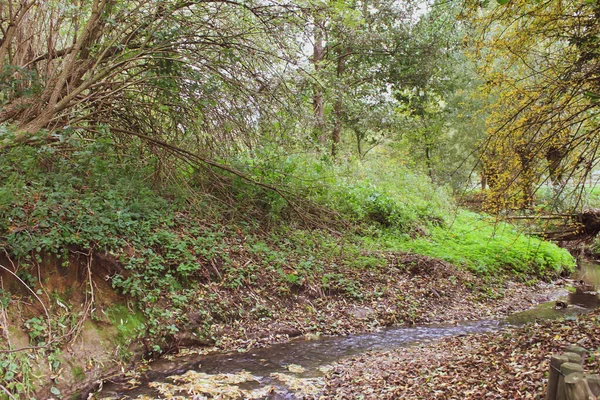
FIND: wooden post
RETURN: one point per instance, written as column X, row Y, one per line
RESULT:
column 572, row 348
column 566, row 369
column 594, row 383
column 574, row 358
column 555, row 362
column 576, row 387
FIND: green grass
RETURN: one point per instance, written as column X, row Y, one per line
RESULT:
column 484, row 246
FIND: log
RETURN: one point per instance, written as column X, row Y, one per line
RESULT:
column 576, row 387
column 566, row 369
column 555, row 362
column 584, row 226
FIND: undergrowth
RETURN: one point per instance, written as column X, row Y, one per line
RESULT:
column 484, row 246
column 181, row 253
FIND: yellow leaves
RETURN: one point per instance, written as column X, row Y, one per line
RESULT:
column 296, row 369
column 220, row 386
column 231, row 386
column 302, row 386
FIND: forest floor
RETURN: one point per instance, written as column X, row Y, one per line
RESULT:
column 511, row 364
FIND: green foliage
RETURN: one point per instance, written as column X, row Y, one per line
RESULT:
column 176, row 262
column 361, row 191
column 392, row 196
column 485, row 246
column 15, row 373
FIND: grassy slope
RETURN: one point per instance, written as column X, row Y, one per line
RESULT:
column 187, row 269
column 483, row 246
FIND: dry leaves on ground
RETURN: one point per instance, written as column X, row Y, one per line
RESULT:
column 503, row 365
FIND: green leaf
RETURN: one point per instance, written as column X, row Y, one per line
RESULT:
column 55, row 391
column 592, row 95
column 502, row 2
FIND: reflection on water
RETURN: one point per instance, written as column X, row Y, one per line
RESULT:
column 586, row 283
column 588, row 271
column 311, row 354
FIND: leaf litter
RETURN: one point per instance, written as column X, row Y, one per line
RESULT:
column 510, row 364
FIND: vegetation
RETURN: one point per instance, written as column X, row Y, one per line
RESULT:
column 185, row 155
column 540, row 63
column 486, row 247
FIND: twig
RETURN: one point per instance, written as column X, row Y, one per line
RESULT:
column 5, row 390
column 553, row 216
column 38, row 299
column 23, row 349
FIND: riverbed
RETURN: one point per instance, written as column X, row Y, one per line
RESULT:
column 295, row 369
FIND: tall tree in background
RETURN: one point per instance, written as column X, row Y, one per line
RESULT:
column 436, row 87
column 353, row 43
column 541, row 63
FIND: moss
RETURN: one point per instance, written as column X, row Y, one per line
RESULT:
column 129, row 324
column 78, row 373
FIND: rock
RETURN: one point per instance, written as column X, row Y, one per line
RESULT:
column 285, row 329
column 361, row 312
column 560, row 304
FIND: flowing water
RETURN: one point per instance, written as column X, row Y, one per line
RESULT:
column 267, row 366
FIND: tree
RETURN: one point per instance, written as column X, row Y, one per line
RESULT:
column 353, row 42
column 192, row 73
column 436, row 89
column 540, row 61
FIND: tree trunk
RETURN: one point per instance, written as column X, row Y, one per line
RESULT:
column 554, row 157
column 338, row 106
column 358, row 143
column 318, row 102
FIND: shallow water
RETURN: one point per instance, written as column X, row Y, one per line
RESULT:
column 313, row 354
column 587, row 279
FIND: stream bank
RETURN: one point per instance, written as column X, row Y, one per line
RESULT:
column 297, row 369
column 399, row 289
column 511, row 365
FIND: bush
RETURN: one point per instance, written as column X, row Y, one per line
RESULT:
column 362, row 192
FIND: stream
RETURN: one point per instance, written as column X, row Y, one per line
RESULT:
column 292, row 370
